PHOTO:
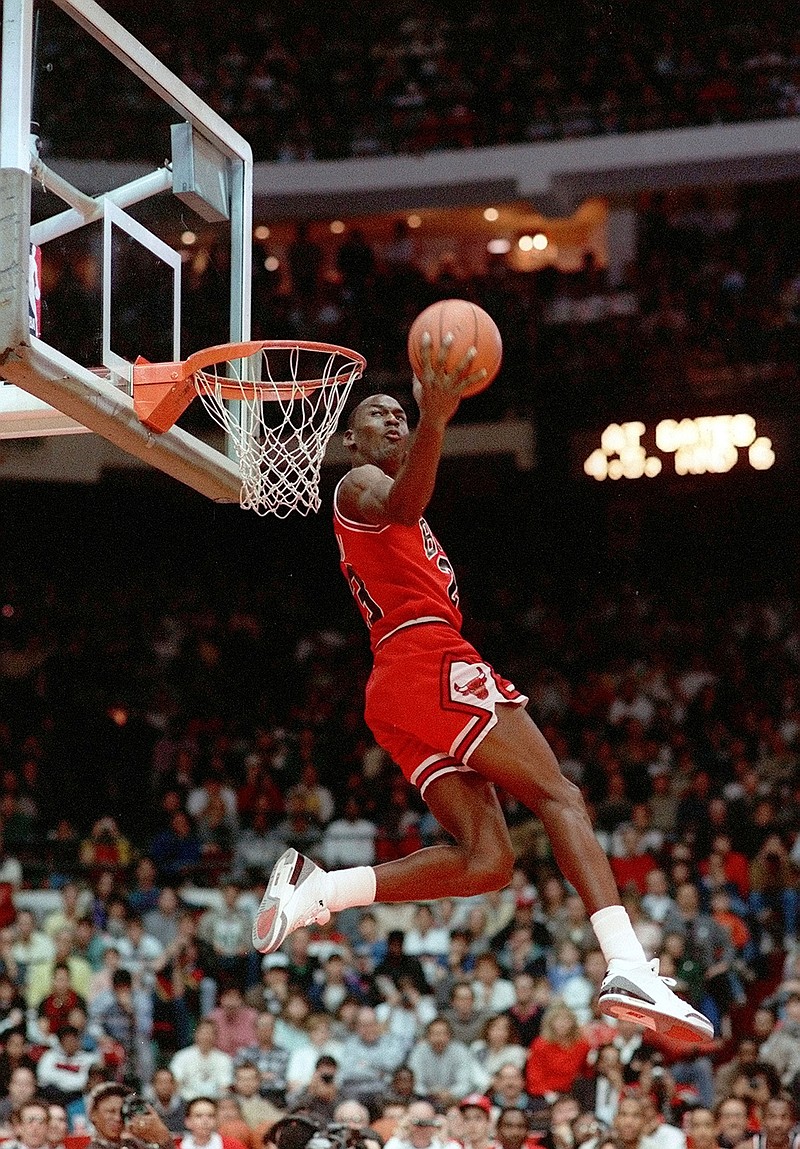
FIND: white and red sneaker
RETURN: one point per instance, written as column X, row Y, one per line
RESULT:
column 635, row 992
column 294, row 898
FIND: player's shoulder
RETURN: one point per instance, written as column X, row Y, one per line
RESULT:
column 362, row 477
column 357, row 489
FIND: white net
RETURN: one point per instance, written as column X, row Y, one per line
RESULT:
column 279, row 409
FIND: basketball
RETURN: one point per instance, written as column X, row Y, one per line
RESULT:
column 471, row 327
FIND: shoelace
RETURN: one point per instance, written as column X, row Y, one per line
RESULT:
column 670, row 982
column 313, row 916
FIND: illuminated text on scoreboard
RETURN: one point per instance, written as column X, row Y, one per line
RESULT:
column 710, row 444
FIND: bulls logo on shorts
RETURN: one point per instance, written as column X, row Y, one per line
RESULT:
column 474, row 683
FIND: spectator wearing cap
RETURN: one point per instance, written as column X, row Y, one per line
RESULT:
column 104, row 1109
column 444, row 1069
column 476, row 1113
column 62, row 1071
column 271, row 992
column 202, row 1069
column 236, row 1022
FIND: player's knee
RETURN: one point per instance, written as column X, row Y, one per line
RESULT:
column 490, row 869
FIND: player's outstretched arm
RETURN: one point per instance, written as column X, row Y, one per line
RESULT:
column 374, row 495
column 438, row 393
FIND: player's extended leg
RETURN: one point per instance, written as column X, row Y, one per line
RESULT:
column 480, row 858
column 516, row 756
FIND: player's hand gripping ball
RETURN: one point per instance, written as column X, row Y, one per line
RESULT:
column 471, row 326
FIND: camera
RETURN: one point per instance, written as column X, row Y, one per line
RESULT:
column 134, row 1106
column 337, row 1137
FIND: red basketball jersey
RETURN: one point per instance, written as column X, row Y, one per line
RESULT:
column 399, row 575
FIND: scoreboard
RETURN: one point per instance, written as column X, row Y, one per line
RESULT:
column 683, row 446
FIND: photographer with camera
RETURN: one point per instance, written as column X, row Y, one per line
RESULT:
column 321, row 1096
column 120, row 1118
column 421, row 1128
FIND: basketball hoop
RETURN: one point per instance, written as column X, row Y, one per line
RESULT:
column 279, row 401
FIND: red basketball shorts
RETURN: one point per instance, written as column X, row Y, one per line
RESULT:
column 431, row 699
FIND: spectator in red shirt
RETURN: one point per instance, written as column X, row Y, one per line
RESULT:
column 734, row 863
column 557, row 1057
column 61, row 1000
column 235, row 1021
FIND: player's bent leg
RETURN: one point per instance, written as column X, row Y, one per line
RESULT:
column 480, row 858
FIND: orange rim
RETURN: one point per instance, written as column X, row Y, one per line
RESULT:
column 194, row 367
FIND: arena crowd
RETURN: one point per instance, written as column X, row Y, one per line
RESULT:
column 421, row 77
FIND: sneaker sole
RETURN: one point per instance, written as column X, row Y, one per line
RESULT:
column 679, row 1029
column 269, row 928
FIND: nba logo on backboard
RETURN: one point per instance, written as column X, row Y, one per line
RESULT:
column 35, row 290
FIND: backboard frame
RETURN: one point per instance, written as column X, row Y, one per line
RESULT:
column 28, row 362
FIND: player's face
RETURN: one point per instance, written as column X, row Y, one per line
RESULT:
column 379, row 433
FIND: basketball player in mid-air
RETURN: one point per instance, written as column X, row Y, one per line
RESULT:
column 454, row 726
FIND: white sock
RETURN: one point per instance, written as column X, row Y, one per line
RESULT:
column 352, row 887
column 615, row 935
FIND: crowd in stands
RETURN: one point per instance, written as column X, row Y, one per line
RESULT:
column 406, row 77
column 709, row 306
column 161, row 748
column 162, row 740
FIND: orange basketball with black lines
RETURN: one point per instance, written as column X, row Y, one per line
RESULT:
column 471, row 327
